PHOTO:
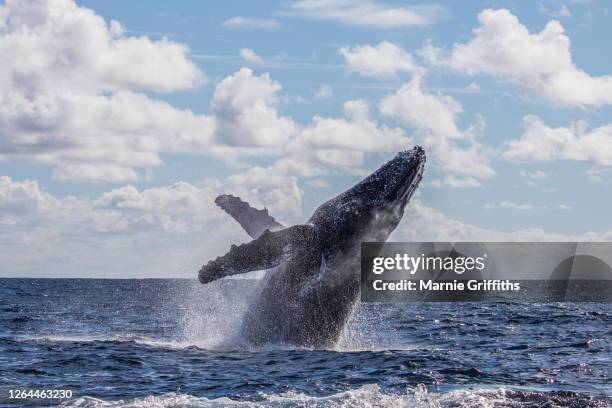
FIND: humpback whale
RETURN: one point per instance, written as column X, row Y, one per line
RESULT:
column 312, row 282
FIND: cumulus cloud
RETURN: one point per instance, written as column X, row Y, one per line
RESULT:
column 540, row 142
column 343, row 142
column 249, row 55
column 55, row 43
column 384, row 60
column 71, row 97
column 251, row 23
column 318, row 183
column 423, row 223
column 597, row 175
column 537, row 175
column 245, row 108
column 507, row 204
column 433, row 116
column 176, row 209
column 511, row 205
column 432, row 55
column 107, row 236
column 562, row 12
column 541, row 62
column 369, row 13
column 533, row 177
column 70, row 93
column 324, row 92
column 98, row 126
column 455, row 182
column 266, row 187
column 324, row 146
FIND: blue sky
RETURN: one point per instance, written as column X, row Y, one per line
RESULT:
column 121, row 124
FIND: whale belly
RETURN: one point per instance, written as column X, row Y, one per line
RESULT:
column 311, row 311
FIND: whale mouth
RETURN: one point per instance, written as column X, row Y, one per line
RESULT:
column 412, row 176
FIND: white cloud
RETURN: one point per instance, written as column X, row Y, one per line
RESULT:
column 562, row 12
column 324, row 92
column 432, row 55
column 249, row 55
column 435, row 114
column 371, row 13
column 105, row 138
column 318, row 183
column 518, row 206
column 343, row 142
column 537, row 175
column 245, row 108
column 434, row 119
column 532, row 177
column 269, row 188
column 541, row 62
column 76, row 105
column 455, row 182
column 107, row 236
column 55, row 42
column 597, row 175
column 326, row 145
column 511, row 205
column 251, row 23
column 69, row 93
column 423, row 223
column 97, row 137
column 540, row 142
column 384, row 60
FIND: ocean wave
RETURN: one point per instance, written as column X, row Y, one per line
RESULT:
column 204, row 344
column 122, row 338
column 366, row 396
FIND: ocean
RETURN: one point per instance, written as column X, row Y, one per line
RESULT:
column 175, row 343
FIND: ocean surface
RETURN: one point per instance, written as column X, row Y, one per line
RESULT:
column 174, row 343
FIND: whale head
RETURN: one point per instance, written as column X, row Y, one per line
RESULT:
column 370, row 210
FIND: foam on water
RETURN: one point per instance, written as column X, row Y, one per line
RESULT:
column 367, row 396
column 126, row 338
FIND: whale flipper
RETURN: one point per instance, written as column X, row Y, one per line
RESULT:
column 254, row 221
column 264, row 252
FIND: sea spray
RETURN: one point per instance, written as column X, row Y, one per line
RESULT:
column 212, row 314
column 371, row 327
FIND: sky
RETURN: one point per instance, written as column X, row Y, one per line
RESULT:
column 119, row 124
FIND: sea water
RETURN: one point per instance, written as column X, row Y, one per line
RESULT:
column 176, row 343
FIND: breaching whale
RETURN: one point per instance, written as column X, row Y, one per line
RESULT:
column 312, row 280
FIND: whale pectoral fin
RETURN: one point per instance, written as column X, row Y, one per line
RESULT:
column 264, row 252
column 254, row 221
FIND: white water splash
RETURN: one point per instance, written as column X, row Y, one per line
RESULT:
column 368, row 396
column 213, row 313
column 371, row 330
